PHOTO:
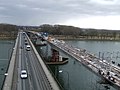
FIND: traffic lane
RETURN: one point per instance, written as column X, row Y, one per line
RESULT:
column 25, row 82
column 33, row 74
column 36, row 74
column 26, row 66
column 21, row 84
column 30, row 87
column 42, row 79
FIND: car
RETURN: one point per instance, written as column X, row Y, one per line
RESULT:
column 23, row 74
column 25, row 40
column 26, row 43
column 28, row 47
column 21, row 47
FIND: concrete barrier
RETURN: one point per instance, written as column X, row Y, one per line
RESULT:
column 8, row 80
column 52, row 81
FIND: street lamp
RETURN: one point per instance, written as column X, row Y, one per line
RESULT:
column 2, row 70
column 61, row 71
column 9, row 51
column 6, row 74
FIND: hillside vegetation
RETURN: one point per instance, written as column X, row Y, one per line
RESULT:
column 61, row 32
column 70, row 32
column 8, row 31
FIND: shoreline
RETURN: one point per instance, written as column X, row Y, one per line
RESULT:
column 69, row 37
column 62, row 37
column 7, row 38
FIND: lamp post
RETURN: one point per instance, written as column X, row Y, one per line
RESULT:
column 2, row 70
column 61, row 71
column 9, row 51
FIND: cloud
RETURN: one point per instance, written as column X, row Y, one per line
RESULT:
column 36, row 12
column 5, row 16
column 2, row 8
column 105, row 2
column 36, row 8
column 21, row 5
column 99, row 22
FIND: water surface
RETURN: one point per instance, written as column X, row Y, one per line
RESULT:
column 5, row 53
column 74, row 75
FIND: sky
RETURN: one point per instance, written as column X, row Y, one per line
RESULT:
column 99, row 14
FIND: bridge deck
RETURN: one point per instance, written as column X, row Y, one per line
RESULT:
column 39, row 77
column 102, row 68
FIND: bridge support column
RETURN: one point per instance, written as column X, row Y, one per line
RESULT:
column 55, row 55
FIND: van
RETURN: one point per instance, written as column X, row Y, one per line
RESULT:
column 28, row 47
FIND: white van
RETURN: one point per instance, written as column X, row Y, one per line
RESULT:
column 28, row 47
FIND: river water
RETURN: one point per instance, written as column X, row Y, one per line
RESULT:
column 74, row 76
column 5, row 53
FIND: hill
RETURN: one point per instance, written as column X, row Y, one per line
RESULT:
column 70, row 32
column 8, row 31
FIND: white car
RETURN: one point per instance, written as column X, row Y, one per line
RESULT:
column 23, row 74
column 28, row 47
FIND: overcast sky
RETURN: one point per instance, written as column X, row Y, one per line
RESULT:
column 80, row 13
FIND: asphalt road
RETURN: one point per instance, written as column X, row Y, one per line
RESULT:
column 27, row 60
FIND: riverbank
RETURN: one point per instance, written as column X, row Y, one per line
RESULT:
column 7, row 38
column 70, row 37
column 8, row 35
